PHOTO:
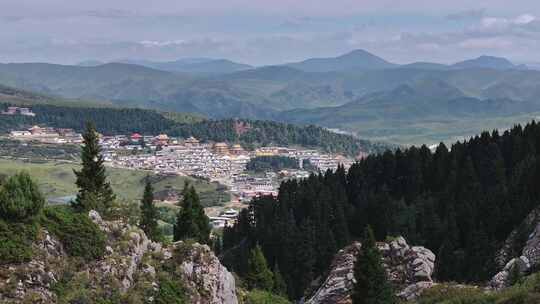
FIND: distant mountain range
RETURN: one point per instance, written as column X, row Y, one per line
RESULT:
column 198, row 66
column 353, row 61
column 356, row 92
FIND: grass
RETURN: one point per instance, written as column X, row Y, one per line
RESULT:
column 56, row 179
column 526, row 291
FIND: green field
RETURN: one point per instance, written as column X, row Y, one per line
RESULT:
column 434, row 131
column 56, row 179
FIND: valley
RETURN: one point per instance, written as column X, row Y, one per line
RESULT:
column 269, row 152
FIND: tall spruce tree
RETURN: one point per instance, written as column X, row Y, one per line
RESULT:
column 149, row 213
column 94, row 190
column 259, row 275
column 191, row 222
column 372, row 286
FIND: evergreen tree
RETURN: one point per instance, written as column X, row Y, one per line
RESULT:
column 94, row 190
column 149, row 213
column 372, row 286
column 259, row 275
column 280, row 287
column 191, row 221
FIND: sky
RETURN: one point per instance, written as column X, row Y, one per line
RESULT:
column 267, row 32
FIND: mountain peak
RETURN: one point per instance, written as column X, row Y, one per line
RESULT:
column 354, row 60
column 485, row 61
column 357, row 52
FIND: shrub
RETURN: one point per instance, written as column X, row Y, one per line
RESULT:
column 20, row 198
column 264, row 297
column 170, row 291
column 79, row 235
column 16, row 241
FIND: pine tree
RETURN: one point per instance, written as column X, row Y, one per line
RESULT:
column 372, row 286
column 191, row 222
column 94, row 190
column 259, row 275
column 20, row 198
column 149, row 213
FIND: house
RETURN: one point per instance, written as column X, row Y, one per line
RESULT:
column 221, row 148
column 136, row 137
column 161, row 140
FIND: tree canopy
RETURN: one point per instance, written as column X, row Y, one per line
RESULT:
column 191, row 221
column 94, row 190
column 149, row 213
column 372, row 286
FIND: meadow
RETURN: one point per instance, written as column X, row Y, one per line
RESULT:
column 56, row 179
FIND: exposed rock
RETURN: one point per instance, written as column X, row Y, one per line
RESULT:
column 408, row 268
column 211, row 282
column 530, row 225
column 530, row 258
column 532, row 248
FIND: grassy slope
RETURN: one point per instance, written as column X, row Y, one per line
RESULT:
column 434, row 131
column 56, row 179
column 527, row 291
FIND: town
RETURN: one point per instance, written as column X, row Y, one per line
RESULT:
column 218, row 162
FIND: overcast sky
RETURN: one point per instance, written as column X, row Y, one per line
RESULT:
column 267, row 32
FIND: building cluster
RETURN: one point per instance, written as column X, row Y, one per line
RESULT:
column 188, row 157
column 219, row 162
column 226, row 218
column 315, row 158
column 47, row 135
column 18, row 111
column 245, row 187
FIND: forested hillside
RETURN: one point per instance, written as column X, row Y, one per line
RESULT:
column 461, row 202
column 112, row 121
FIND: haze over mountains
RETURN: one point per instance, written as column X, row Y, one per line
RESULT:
column 357, row 92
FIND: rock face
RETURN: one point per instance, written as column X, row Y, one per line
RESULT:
column 408, row 268
column 507, row 251
column 530, row 258
column 129, row 263
column 204, row 275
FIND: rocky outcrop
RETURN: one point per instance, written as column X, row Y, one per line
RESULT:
column 529, row 259
column 209, row 281
column 130, row 261
column 409, row 268
column 508, row 249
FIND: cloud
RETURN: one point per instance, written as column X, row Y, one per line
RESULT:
column 495, row 22
column 109, row 13
column 153, row 43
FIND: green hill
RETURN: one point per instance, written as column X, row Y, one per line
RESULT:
column 428, row 111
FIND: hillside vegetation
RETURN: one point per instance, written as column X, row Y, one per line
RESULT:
column 112, row 121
